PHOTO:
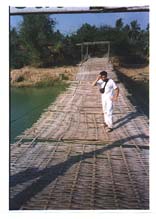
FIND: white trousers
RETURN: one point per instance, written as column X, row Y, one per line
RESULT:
column 107, row 106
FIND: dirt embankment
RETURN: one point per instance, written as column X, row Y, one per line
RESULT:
column 36, row 77
column 136, row 80
column 135, row 71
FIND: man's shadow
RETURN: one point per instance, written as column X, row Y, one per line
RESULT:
column 49, row 174
column 124, row 120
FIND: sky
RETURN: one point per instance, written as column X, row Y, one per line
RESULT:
column 69, row 23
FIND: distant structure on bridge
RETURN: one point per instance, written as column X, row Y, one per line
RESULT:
column 87, row 44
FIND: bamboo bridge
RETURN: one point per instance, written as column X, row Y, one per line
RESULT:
column 67, row 160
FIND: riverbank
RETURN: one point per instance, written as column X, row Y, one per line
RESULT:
column 136, row 80
column 40, row 87
column 42, row 77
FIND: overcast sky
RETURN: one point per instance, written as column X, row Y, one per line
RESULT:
column 69, row 23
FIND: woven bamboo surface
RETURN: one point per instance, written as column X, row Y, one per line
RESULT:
column 67, row 160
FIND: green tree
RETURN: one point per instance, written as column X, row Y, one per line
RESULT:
column 146, row 41
column 18, row 57
column 86, row 33
column 36, row 34
column 70, row 50
column 119, row 24
column 134, row 31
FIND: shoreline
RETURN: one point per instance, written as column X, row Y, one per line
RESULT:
column 41, row 77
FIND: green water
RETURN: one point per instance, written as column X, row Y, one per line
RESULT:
column 27, row 104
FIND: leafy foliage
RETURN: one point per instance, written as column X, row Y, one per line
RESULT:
column 18, row 57
column 36, row 34
column 37, row 43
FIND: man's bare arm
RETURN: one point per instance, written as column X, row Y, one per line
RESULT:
column 98, row 78
column 116, row 94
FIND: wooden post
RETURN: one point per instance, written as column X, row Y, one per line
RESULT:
column 87, row 51
column 108, row 50
column 81, row 51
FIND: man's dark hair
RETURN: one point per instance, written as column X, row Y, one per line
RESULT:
column 103, row 73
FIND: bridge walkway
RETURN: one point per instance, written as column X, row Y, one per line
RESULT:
column 67, row 160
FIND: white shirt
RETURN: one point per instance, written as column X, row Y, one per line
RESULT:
column 109, row 89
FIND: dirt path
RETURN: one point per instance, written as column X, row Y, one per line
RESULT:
column 68, row 161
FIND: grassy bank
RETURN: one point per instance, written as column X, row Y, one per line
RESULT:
column 42, row 77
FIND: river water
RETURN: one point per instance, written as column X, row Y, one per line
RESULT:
column 27, row 104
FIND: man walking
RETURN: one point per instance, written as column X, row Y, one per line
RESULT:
column 109, row 93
